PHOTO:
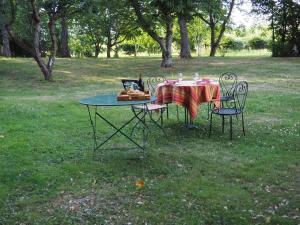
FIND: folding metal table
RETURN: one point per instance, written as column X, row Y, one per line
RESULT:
column 111, row 101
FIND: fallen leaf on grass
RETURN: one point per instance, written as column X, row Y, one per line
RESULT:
column 140, row 183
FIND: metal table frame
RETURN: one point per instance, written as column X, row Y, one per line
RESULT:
column 110, row 101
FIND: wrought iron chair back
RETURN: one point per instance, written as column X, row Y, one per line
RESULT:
column 227, row 82
column 153, row 81
column 240, row 95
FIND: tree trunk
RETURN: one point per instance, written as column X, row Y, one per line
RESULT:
column 167, row 46
column 212, row 26
column 213, row 50
column 216, row 43
column 166, row 59
column 185, row 52
column 35, row 48
column 53, row 49
column 97, row 50
column 135, row 50
column 108, row 50
column 109, row 45
column 5, row 42
column 64, row 38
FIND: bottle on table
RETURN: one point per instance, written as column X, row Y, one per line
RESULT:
column 141, row 83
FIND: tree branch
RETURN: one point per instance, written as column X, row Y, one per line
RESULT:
column 144, row 24
column 223, row 27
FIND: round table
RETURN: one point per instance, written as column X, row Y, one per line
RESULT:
column 111, row 101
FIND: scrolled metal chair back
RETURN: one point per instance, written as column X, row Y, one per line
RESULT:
column 240, row 95
column 153, row 81
column 227, row 82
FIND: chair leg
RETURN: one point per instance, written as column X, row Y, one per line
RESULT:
column 210, row 123
column 167, row 111
column 161, row 117
column 230, row 127
column 208, row 109
column 177, row 112
column 223, row 122
column 243, row 124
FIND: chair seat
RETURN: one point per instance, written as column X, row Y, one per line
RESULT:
column 226, row 111
column 150, row 107
column 226, row 98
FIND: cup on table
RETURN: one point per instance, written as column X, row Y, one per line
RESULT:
column 196, row 77
column 180, row 77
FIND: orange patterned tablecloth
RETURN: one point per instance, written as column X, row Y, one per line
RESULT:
column 189, row 94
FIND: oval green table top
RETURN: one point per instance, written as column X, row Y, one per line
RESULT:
column 111, row 100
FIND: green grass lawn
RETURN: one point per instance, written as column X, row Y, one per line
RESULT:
column 49, row 173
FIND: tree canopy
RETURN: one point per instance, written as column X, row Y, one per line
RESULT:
column 47, row 28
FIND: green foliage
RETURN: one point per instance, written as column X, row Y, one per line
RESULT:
column 129, row 49
column 198, row 33
column 284, row 17
column 233, row 44
column 258, row 43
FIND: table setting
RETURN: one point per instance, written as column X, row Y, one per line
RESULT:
column 189, row 94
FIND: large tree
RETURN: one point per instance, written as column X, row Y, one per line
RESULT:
column 36, row 10
column 185, row 10
column 216, row 14
column 151, row 15
column 69, row 8
column 284, row 17
column 64, row 38
column 106, row 22
column 34, row 47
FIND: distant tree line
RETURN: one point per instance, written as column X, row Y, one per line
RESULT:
column 284, row 17
column 45, row 29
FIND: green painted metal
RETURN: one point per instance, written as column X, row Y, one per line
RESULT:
column 111, row 100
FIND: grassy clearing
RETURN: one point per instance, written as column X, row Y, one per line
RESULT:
column 50, row 175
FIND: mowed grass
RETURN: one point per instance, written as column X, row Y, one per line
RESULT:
column 49, row 173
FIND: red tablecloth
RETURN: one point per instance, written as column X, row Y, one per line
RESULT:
column 189, row 94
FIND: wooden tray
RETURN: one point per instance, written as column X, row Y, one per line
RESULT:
column 131, row 96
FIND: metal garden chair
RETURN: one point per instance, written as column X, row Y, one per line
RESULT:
column 234, row 107
column 152, row 83
column 227, row 82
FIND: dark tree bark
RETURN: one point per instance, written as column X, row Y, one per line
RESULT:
column 108, row 46
column 164, row 43
column 64, row 39
column 97, row 50
column 5, row 42
column 167, row 46
column 212, row 25
column 53, row 49
column 185, row 52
